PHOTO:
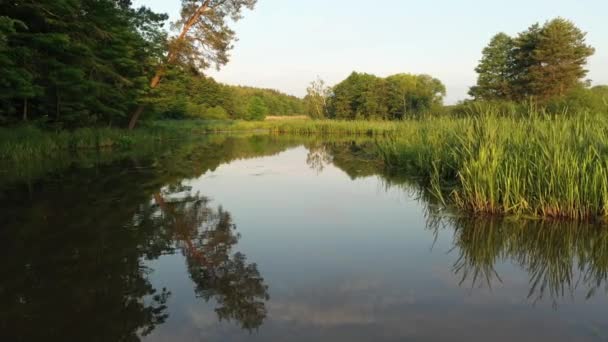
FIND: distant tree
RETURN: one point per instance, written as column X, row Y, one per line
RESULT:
column 559, row 59
column 216, row 113
column 364, row 96
column 316, row 98
column 601, row 91
column 276, row 102
column 257, row 109
column 495, row 70
column 204, row 39
column 541, row 63
column 361, row 96
column 429, row 94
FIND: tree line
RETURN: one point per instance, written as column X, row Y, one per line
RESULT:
column 72, row 63
column 195, row 96
column 369, row 97
column 543, row 66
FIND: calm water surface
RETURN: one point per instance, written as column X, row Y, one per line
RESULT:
column 280, row 239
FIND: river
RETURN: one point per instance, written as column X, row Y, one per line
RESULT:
column 279, row 238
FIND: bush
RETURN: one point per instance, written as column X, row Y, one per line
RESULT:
column 590, row 100
column 257, row 109
column 216, row 113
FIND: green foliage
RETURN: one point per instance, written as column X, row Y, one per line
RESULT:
column 541, row 63
column 184, row 95
column 317, row 95
column 28, row 142
column 257, row 109
column 559, row 59
column 495, row 70
column 360, row 96
column 365, row 96
column 412, row 95
column 590, row 100
column 216, row 113
column 533, row 165
column 205, row 38
column 74, row 62
column 276, row 102
column 80, row 63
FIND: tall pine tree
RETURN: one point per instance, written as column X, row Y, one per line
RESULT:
column 559, row 59
column 495, row 69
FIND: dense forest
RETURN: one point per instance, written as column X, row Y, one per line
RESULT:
column 186, row 95
column 72, row 63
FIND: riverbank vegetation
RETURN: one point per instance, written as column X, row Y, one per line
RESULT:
column 531, row 141
column 72, row 64
column 539, row 165
column 536, row 165
column 368, row 97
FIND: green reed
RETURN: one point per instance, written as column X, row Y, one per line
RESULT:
column 529, row 164
column 525, row 163
column 535, row 166
column 25, row 143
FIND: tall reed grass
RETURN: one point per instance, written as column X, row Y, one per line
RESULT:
column 553, row 167
column 29, row 142
column 494, row 160
column 529, row 164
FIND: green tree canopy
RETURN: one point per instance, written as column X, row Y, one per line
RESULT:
column 257, row 109
column 541, row 63
column 316, row 98
column 495, row 70
column 560, row 58
column 365, row 96
column 75, row 62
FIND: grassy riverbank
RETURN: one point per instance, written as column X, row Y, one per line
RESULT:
column 554, row 167
column 533, row 165
column 29, row 142
column 546, row 167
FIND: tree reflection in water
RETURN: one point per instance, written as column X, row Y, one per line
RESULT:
column 74, row 259
column 207, row 238
column 559, row 257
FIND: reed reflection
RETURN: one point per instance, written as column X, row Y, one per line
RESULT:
column 559, row 257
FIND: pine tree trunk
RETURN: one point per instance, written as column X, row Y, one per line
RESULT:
column 25, row 109
column 135, row 116
column 140, row 108
column 57, row 105
column 171, row 59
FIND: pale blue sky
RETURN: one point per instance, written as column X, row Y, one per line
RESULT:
column 285, row 44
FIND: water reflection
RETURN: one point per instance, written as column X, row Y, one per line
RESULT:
column 559, row 257
column 207, row 238
column 76, row 246
column 74, row 250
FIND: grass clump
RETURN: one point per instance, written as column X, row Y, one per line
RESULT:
column 29, row 142
column 553, row 167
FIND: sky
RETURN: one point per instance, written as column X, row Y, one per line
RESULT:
column 286, row 44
